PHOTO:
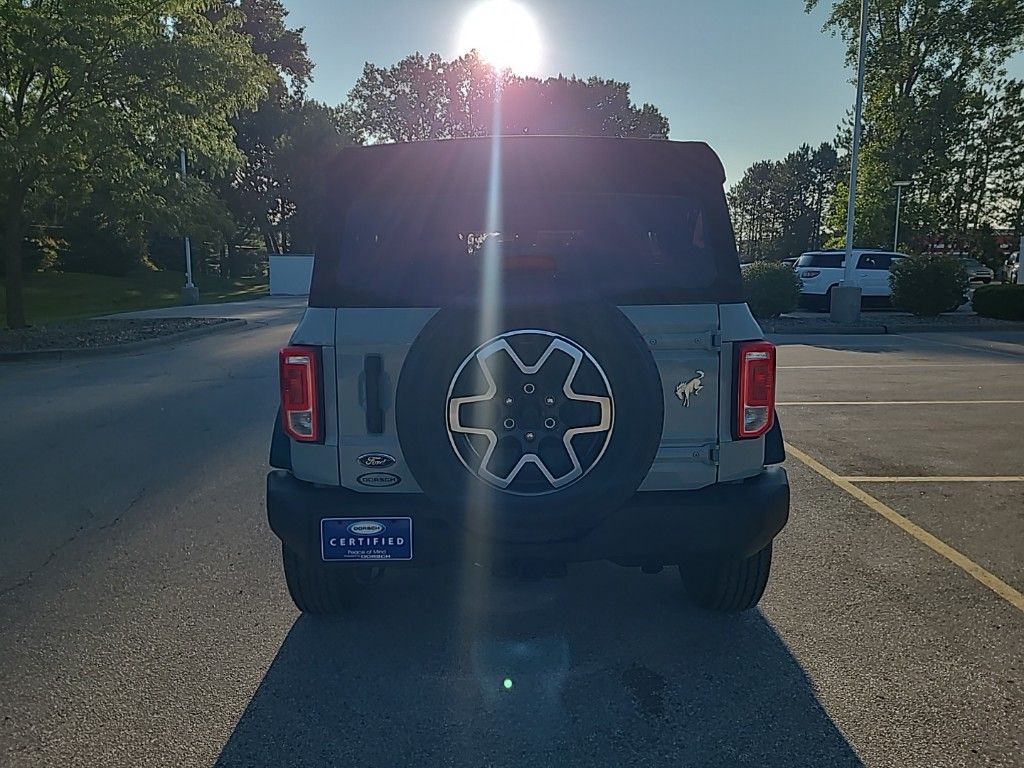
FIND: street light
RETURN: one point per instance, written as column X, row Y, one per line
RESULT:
column 845, row 303
column 899, row 198
column 189, row 293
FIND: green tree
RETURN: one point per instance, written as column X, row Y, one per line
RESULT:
column 254, row 191
column 1007, row 167
column 933, row 72
column 779, row 207
column 263, row 21
column 427, row 97
column 753, row 215
column 108, row 90
column 315, row 133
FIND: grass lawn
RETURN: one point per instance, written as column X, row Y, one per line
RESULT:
column 53, row 296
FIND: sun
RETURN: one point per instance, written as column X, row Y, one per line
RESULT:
column 506, row 35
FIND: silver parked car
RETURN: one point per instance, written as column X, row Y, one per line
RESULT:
column 978, row 273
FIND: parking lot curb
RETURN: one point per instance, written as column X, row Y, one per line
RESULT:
column 826, row 327
column 822, row 328
column 994, row 325
column 115, row 349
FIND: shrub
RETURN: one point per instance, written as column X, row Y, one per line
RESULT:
column 771, row 288
column 98, row 249
column 929, row 284
column 1005, row 302
column 37, row 253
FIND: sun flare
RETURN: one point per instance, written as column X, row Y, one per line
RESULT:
column 506, row 35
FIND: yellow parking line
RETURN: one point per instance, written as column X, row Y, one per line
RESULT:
column 935, row 479
column 904, row 402
column 960, row 560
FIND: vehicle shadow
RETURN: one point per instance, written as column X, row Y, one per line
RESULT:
column 606, row 667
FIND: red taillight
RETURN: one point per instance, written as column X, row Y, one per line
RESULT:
column 810, row 273
column 300, row 402
column 755, row 396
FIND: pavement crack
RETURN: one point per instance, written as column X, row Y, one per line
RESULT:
column 5, row 591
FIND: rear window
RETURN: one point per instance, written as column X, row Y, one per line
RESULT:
column 430, row 250
column 821, row 260
column 881, row 261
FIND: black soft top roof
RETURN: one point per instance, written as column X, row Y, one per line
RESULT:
column 351, row 273
column 650, row 166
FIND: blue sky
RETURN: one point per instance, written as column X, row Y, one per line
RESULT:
column 754, row 78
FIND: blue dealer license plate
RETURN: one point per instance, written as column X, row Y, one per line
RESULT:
column 366, row 538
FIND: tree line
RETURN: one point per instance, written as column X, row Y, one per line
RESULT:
column 780, row 207
column 940, row 112
column 97, row 98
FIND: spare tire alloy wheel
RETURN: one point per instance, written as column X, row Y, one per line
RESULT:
column 534, row 434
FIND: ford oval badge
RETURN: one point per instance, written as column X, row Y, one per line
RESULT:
column 376, row 460
column 365, row 528
column 379, row 479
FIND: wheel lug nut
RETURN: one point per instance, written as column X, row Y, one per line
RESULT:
column 529, row 437
column 549, row 423
column 508, row 401
column 510, row 423
column 549, row 401
column 529, row 389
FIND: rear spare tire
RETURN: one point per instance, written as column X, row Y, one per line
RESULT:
column 537, row 429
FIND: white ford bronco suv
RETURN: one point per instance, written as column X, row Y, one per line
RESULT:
column 533, row 351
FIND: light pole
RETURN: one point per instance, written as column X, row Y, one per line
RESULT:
column 899, row 198
column 189, row 293
column 845, row 303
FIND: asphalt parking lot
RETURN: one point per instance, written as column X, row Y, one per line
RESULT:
column 931, row 425
column 144, row 621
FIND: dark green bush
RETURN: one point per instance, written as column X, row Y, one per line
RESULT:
column 167, row 253
column 771, row 288
column 1005, row 301
column 36, row 254
column 98, row 249
column 929, row 284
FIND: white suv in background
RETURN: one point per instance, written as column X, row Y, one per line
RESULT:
column 821, row 271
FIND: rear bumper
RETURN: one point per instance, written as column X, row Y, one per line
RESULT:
column 657, row 527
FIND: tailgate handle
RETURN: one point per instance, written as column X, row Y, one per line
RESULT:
column 373, row 368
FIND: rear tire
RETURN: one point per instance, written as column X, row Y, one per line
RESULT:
column 315, row 589
column 718, row 584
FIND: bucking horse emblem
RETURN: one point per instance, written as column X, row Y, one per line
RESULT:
column 686, row 389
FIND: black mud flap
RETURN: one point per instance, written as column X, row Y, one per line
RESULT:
column 280, row 445
column 774, row 445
